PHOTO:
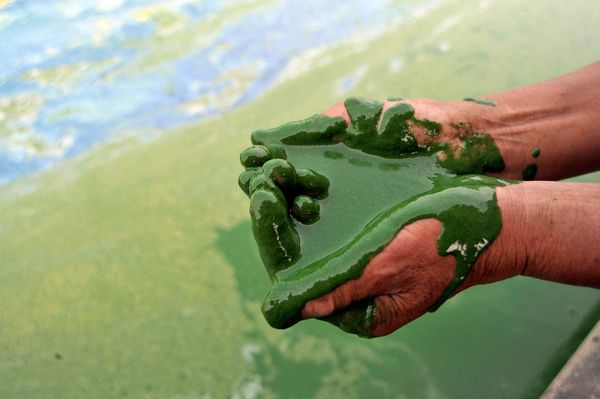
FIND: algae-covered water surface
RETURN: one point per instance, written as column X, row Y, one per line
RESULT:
column 130, row 269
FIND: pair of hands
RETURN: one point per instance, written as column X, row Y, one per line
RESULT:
column 409, row 275
column 549, row 230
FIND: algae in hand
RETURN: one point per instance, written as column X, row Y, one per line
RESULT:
column 326, row 197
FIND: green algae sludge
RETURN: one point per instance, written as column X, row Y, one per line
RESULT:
column 344, row 192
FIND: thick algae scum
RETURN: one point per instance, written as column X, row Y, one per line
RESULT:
column 326, row 197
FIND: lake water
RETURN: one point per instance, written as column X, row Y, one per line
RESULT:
column 75, row 74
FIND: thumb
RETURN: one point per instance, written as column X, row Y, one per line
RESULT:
column 379, row 316
column 394, row 311
column 339, row 298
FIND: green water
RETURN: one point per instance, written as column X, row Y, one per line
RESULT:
column 132, row 271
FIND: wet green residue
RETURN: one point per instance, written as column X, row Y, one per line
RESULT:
column 476, row 153
column 394, row 98
column 536, row 152
column 357, row 318
column 529, row 172
column 273, row 189
column 432, row 128
column 482, row 101
column 465, row 205
column 364, row 115
column 318, row 129
column 317, row 228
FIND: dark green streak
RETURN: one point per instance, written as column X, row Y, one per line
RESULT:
column 529, row 172
column 482, row 101
column 394, row 98
column 318, row 129
column 478, row 154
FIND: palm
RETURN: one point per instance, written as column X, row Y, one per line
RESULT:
column 404, row 280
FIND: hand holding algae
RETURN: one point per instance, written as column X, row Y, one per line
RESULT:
column 326, row 197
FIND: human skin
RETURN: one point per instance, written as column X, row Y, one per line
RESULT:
column 550, row 230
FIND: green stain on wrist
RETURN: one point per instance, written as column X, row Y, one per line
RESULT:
column 432, row 129
column 535, row 152
column 477, row 153
column 318, row 228
column 394, row 98
column 529, row 172
column 481, row 101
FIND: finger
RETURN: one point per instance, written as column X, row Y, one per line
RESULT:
column 364, row 115
column 394, row 129
column 339, row 110
column 327, row 304
column 428, row 119
column 246, row 177
column 255, row 156
column 379, row 316
column 426, row 108
column 312, row 183
column 355, row 319
column 395, row 311
column 277, row 238
column 386, row 105
column 339, row 298
column 381, row 275
column 282, row 173
column 390, row 103
column 318, row 129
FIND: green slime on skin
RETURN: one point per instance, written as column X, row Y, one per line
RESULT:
column 482, row 101
column 357, row 318
column 466, row 206
column 304, row 266
column 394, row 98
column 478, row 155
column 432, row 128
column 529, row 172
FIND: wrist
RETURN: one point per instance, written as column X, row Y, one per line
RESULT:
column 559, row 231
column 507, row 256
column 555, row 120
column 515, row 131
column 549, row 231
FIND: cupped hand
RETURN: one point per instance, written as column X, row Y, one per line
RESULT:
column 402, row 282
column 457, row 120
